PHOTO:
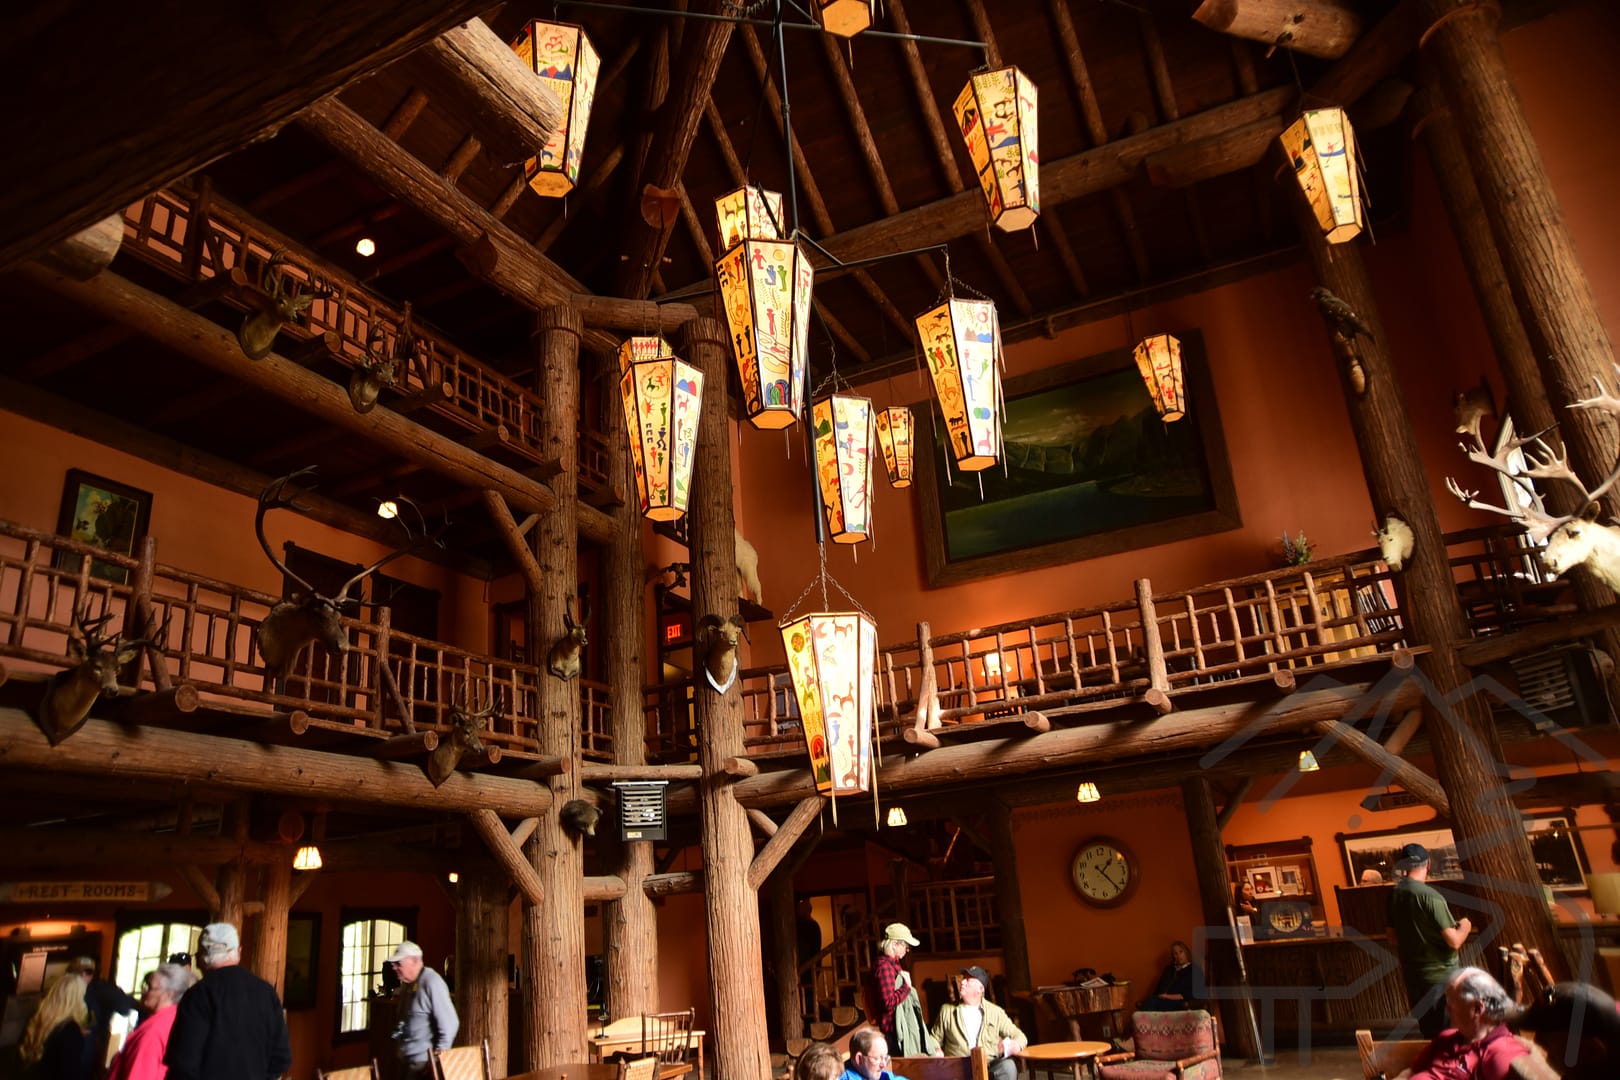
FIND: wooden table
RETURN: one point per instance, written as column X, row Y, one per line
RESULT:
column 1069, row 1057
column 580, row 1071
column 609, row 1042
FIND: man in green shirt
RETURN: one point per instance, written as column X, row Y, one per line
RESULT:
column 1427, row 937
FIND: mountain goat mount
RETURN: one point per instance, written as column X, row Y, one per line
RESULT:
column 1394, row 541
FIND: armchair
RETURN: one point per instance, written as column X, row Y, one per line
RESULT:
column 1181, row 1045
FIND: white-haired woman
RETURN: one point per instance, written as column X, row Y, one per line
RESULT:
column 142, row 1055
column 1478, row 1044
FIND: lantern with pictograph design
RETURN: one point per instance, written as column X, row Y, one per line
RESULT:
column 843, row 442
column 832, row 659
column 662, row 397
column 1321, row 146
column 563, row 57
column 995, row 113
column 845, row 18
column 961, row 344
column 894, row 437
column 1158, row 359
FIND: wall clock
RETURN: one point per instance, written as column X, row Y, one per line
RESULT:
column 1105, row 872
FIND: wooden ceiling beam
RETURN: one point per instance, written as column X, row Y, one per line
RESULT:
column 485, row 84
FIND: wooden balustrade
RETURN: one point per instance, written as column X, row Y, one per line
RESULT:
column 955, row 916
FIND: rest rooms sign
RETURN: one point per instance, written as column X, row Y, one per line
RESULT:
column 27, row 892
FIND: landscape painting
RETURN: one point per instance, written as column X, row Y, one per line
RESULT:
column 1088, row 469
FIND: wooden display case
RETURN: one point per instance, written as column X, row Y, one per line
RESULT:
column 1278, row 870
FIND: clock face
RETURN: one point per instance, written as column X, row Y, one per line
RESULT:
column 1104, row 872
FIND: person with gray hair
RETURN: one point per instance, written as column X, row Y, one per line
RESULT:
column 1478, row 1045
column 142, row 1055
column 427, row 1016
column 230, row 1026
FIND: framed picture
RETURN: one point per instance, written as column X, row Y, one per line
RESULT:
column 1556, row 848
column 303, row 960
column 1554, row 844
column 105, row 513
column 1263, row 879
column 1288, row 881
column 1090, row 469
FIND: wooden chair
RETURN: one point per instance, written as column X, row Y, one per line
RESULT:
column 669, row 1036
column 976, row 1066
column 1185, row 1044
column 1389, row 1058
column 357, row 1072
column 463, row 1063
column 644, row 1069
column 1523, row 974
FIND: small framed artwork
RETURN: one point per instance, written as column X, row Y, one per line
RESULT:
column 104, row 513
column 303, row 958
column 1288, row 881
column 1263, row 879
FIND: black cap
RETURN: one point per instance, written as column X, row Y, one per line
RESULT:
column 977, row 972
column 1412, row 855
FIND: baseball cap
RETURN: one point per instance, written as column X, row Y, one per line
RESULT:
column 899, row 931
column 406, row 948
column 977, row 972
column 219, row 937
column 1412, row 855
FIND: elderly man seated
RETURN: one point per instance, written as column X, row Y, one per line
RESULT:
column 974, row 1021
column 1478, row 1045
column 868, row 1057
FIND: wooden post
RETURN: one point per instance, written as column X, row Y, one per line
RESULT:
column 1224, row 966
column 1158, row 691
column 1461, row 732
column 629, row 924
column 481, row 947
column 731, row 907
column 785, row 958
column 1009, row 897
column 554, row 932
column 270, row 937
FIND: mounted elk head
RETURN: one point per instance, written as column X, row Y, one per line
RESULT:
column 307, row 616
column 284, row 301
column 381, row 367
column 563, row 660
column 717, row 647
column 465, row 724
column 70, row 693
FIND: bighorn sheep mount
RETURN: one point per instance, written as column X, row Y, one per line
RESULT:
column 717, row 648
column 465, row 724
column 1572, row 539
column 563, row 660
column 70, row 693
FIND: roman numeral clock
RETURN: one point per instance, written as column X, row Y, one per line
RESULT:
column 1104, row 871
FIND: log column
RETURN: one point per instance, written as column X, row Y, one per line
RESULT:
column 481, row 946
column 554, row 931
column 1490, row 838
column 785, row 958
column 736, row 1005
column 269, row 960
column 630, row 924
column 1215, row 891
column 1009, row 897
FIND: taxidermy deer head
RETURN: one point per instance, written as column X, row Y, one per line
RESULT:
column 69, row 694
column 1571, row 539
column 563, row 660
column 381, row 367
column 286, row 301
column 579, row 817
column 1394, row 541
column 465, row 724
column 306, row 616
column 717, row 646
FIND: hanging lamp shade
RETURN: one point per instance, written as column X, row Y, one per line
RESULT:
column 763, row 286
column 894, row 437
column 749, row 213
column 832, row 657
column 845, row 18
column 996, row 114
column 1087, row 792
column 1321, row 146
column 1158, row 358
column 897, row 817
column 308, row 858
column 844, row 438
column 563, row 56
column 961, row 341
column 1307, row 762
column 662, row 396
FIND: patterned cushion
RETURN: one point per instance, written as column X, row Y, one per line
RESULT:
column 1161, row 1070
column 1170, row 1036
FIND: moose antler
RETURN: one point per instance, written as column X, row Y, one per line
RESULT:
column 1538, row 523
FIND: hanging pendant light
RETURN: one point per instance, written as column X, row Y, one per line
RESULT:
column 1158, row 358
column 763, row 285
column 308, row 858
column 995, row 113
column 843, row 427
column 663, row 397
column 832, row 658
column 845, row 18
column 563, row 56
column 1087, row 792
column 894, row 436
column 961, row 342
column 897, row 817
column 1307, row 762
column 1321, row 146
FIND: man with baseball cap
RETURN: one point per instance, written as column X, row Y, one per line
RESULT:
column 230, row 1026
column 427, row 1017
column 973, row 1021
column 1427, row 938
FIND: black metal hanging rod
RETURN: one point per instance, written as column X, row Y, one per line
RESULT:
column 925, row 39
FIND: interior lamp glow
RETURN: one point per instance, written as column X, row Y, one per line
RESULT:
column 748, row 213
column 895, row 439
column 897, row 817
column 388, row 509
column 365, row 246
column 562, row 56
column 662, row 397
column 832, row 658
column 843, row 442
column 961, row 342
column 845, row 18
column 1321, row 147
column 1087, row 792
column 1307, row 762
column 308, row 858
column 1158, row 358
column 995, row 113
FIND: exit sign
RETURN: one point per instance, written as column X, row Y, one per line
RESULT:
column 675, row 629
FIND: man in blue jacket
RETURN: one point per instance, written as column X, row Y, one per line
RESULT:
column 868, row 1057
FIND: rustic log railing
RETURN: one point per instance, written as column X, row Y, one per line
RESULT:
column 955, row 916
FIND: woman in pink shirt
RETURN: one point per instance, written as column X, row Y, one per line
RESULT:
column 142, row 1055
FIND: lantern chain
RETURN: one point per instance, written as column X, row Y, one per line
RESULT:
column 822, row 578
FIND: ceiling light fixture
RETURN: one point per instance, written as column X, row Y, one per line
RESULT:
column 899, row 450
column 388, row 509
column 897, row 817
column 995, row 113
column 564, row 58
column 844, row 18
column 308, row 858
column 1158, row 359
column 842, row 425
column 1087, row 792
column 663, row 397
column 961, row 342
column 1321, row 147
column 365, row 246
column 1307, row 762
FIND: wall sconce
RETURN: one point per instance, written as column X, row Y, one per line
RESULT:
column 663, row 397
column 961, row 341
column 1321, row 147
column 561, row 55
column 995, row 113
column 897, row 817
column 1087, row 793
column 832, row 657
column 845, row 18
column 1307, row 762
column 1158, row 358
column 899, row 449
column 843, row 429
column 308, row 858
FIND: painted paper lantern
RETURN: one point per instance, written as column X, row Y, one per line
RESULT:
column 844, row 438
column 749, row 213
column 846, row 18
column 1322, row 148
column 763, row 287
column 563, row 56
column 961, row 342
column 663, row 398
column 894, row 436
column 996, row 114
column 832, row 658
column 1158, row 358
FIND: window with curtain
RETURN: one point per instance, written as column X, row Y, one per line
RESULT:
column 369, row 939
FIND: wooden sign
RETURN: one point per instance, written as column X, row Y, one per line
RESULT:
column 81, row 892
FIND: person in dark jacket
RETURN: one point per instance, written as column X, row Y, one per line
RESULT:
column 103, row 999
column 1181, row 984
column 230, row 1026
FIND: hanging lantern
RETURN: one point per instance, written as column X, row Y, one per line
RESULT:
column 843, row 426
column 1087, row 792
column 832, row 657
column 308, row 858
column 1307, row 762
column 1321, row 146
column 897, row 817
column 894, row 436
column 961, row 341
column 662, row 397
column 763, row 285
column 996, row 114
column 846, row 18
column 563, row 56
column 1158, row 358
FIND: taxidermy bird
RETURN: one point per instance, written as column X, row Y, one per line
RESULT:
column 579, row 817
column 1472, row 406
column 1345, row 324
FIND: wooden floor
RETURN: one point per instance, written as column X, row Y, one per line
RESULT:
column 1334, row 1063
